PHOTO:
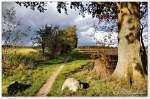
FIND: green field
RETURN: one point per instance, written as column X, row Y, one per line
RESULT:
column 77, row 67
column 38, row 73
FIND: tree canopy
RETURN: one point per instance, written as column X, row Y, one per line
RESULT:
column 101, row 10
column 56, row 39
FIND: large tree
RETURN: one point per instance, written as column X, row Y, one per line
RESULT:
column 56, row 39
column 130, row 64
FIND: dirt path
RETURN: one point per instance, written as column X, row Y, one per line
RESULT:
column 45, row 89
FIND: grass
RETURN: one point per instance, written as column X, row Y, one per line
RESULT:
column 96, row 87
column 71, row 66
column 25, row 57
column 35, row 76
column 39, row 73
column 22, row 51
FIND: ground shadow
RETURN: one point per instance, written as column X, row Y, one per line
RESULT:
column 84, row 85
column 16, row 87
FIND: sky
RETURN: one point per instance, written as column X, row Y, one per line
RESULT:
column 36, row 20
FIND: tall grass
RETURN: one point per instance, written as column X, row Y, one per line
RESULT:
column 22, row 57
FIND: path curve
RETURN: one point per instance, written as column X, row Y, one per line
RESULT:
column 45, row 89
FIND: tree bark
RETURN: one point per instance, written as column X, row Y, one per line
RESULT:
column 129, row 66
column 143, row 51
column 43, row 48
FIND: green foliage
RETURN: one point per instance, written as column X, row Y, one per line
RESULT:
column 56, row 39
column 71, row 36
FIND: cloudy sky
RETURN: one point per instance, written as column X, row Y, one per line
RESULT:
column 36, row 20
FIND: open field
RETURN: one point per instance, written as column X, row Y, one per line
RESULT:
column 78, row 64
column 22, row 51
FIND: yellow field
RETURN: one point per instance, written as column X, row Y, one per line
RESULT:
column 22, row 51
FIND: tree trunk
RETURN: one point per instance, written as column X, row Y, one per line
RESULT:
column 129, row 66
column 43, row 48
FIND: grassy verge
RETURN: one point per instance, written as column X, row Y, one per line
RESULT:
column 71, row 66
column 35, row 76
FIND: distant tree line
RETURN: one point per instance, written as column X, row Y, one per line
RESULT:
column 56, row 40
